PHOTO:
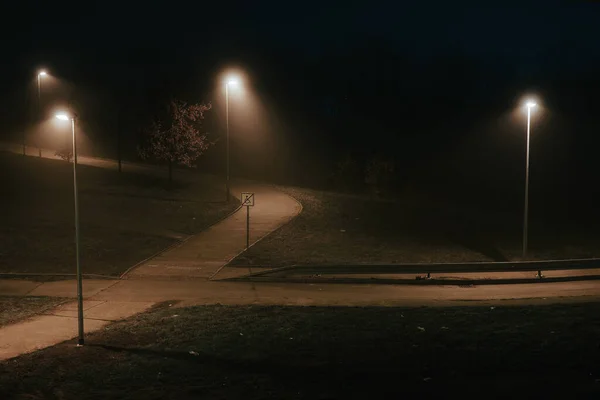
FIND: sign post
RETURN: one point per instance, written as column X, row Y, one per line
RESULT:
column 247, row 227
column 248, row 201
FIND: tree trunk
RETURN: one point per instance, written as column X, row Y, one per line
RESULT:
column 170, row 172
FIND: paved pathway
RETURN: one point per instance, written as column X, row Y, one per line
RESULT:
column 203, row 255
column 61, row 324
column 107, row 163
column 107, row 301
column 199, row 258
column 201, row 291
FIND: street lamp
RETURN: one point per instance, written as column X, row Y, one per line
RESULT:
column 228, row 82
column 530, row 104
column 40, row 75
column 66, row 117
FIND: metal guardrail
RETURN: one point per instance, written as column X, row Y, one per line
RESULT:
column 435, row 268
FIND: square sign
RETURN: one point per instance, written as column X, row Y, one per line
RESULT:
column 247, row 199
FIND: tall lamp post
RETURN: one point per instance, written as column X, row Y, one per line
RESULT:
column 530, row 104
column 67, row 117
column 233, row 82
column 40, row 75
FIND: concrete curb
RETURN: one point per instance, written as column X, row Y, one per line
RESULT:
column 437, row 268
column 420, row 282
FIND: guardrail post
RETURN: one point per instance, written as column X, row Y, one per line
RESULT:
column 419, row 277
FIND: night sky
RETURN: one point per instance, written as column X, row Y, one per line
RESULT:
column 96, row 33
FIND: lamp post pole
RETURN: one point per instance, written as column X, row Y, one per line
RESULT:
column 80, row 340
column 227, row 194
column 39, row 102
column 228, row 82
column 529, row 105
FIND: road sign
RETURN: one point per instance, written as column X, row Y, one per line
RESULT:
column 247, row 199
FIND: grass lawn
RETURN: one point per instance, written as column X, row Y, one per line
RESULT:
column 218, row 352
column 124, row 217
column 338, row 228
column 15, row 309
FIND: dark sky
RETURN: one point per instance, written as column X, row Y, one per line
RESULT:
column 42, row 32
column 430, row 27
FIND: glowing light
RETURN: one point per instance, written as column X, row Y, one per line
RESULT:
column 232, row 81
column 530, row 104
column 63, row 116
column 43, row 73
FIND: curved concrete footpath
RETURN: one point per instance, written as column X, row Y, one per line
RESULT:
column 204, row 254
column 201, row 256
